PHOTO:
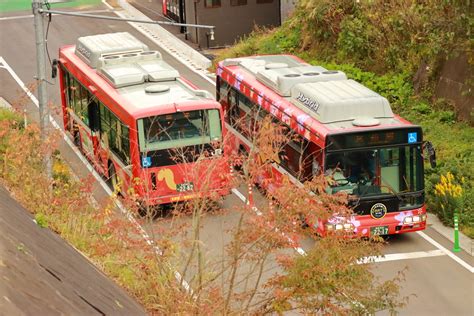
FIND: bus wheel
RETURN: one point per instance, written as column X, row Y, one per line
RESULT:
column 243, row 154
column 150, row 211
column 76, row 138
column 112, row 180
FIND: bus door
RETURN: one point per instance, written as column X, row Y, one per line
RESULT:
column 93, row 111
column 88, row 129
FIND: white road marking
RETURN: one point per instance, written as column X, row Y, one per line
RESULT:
column 107, row 5
column 446, row 251
column 255, row 209
column 99, row 179
column 401, row 256
column 373, row 259
column 168, row 50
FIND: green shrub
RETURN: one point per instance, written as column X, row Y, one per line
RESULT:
column 41, row 220
column 11, row 116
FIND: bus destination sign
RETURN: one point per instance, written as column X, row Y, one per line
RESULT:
column 374, row 138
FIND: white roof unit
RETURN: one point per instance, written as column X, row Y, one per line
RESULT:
column 341, row 100
column 123, row 60
column 91, row 48
column 282, row 80
column 281, row 73
column 135, row 68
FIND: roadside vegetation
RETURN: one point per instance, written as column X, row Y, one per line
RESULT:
column 244, row 280
column 396, row 48
column 21, row 5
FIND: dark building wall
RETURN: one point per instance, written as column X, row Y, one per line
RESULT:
column 232, row 22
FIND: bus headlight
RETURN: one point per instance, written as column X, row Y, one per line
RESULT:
column 339, row 226
column 329, row 227
column 408, row 220
column 423, row 217
column 416, row 219
column 348, row 226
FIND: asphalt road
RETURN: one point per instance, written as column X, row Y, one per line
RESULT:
column 441, row 284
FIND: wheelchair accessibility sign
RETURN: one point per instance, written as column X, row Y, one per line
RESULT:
column 412, row 137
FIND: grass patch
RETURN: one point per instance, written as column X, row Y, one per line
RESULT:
column 22, row 5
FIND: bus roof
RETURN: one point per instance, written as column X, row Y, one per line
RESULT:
column 137, row 78
column 331, row 102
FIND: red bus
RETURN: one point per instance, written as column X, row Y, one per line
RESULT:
column 176, row 11
column 138, row 121
column 338, row 127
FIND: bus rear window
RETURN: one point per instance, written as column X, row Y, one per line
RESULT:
column 179, row 129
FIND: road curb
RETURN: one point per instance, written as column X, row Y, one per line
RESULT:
column 167, row 40
column 4, row 104
column 466, row 243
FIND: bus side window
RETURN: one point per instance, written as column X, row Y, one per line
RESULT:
column 66, row 85
column 316, row 160
column 114, row 134
column 223, row 89
column 84, row 100
column 93, row 112
column 79, row 100
column 234, row 111
column 297, row 159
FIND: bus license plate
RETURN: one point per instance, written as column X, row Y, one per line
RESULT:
column 186, row 186
column 378, row 230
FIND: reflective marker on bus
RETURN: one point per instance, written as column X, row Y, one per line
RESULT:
column 139, row 122
column 340, row 128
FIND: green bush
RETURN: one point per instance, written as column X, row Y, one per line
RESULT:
column 11, row 116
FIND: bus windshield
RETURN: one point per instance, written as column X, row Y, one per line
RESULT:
column 179, row 129
column 373, row 172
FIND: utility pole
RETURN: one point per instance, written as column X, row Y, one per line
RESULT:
column 38, row 12
column 41, row 79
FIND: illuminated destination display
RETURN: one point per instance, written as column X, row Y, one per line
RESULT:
column 411, row 135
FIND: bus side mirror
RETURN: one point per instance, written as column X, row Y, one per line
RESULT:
column 54, row 68
column 430, row 150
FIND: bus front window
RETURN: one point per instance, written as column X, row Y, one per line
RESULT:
column 179, row 129
column 384, row 171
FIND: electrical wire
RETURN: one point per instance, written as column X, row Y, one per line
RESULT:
column 48, row 6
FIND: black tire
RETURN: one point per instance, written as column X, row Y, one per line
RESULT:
column 76, row 138
column 112, row 180
column 244, row 153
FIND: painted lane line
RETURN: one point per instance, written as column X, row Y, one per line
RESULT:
column 371, row 259
column 446, row 251
column 107, row 5
column 256, row 210
column 170, row 50
column 99, row 179
column 401, row 256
